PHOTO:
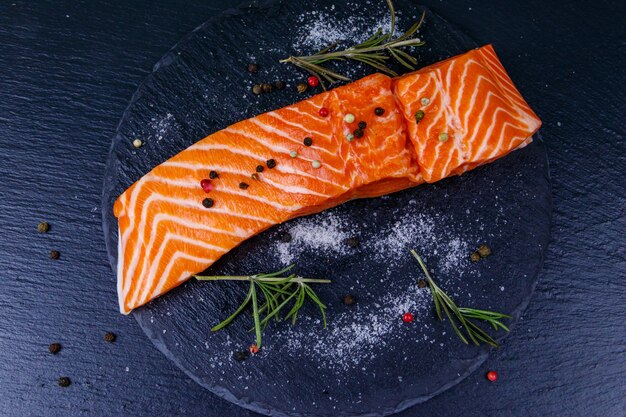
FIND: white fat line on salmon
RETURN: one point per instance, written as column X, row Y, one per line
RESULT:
column 155, row 263
column 305, row 132
column 186, row 274
column 496, row 69
column 489, row 135
column 476, row 129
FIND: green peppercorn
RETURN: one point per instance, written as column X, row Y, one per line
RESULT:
column 379, row 111
column 302, row 87
column 64, row 382
column 443, row 136
column 43, row 227
column 475, row 257
column 419, row 115
column 256, row 89
column 55, row 254
column 484, row 251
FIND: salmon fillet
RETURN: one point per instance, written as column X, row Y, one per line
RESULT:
column 167, row 233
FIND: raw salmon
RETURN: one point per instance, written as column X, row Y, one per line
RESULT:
column 168, row 232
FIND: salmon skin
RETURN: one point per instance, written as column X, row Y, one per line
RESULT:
column 472, row 114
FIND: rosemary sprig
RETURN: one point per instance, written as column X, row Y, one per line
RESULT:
column 461, row 317
column 278, row 292
column 375, row 52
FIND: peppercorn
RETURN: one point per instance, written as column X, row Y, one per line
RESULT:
column 475, row 257
column 348, row 299
column 55, row 254
column 407, row 317
column 419, row 115
column 241, row 355
column 271, row 163
column 313, row 81
column 137, row 143
column 307, row 141
column 285, row 237
column 379, row 111
column 260, row 168
column 358, row 133
column 443, row 136
column 54, row 348
column 213, row 175
column 64, row 382
column 255, row 176
column 353, row 242
column 110, row 337
column 208, row 202
column 348, row 118
column 324, row 112
column 293, row 154
column 302, row 87
column 362, row 125
column 316, row 164
column 421, row 283
column 243, row 185
column 484, row 251
column 206, row 185
column 492, row 376
column 43, row 227
column 254, row 349
column 267, row 87
column 256, row 89
column 252, row 68
column 280, row 85
column 349, row 137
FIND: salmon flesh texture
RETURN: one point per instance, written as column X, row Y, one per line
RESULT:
column 166, row 235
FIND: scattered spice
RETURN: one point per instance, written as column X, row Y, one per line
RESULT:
column 324, row 112
column 206, row 185
column 240, row 355
column 267, row 87
column 362, row 125
column 293, row 154
column 243, row 185
column 350, row 137
column 253, row 68
column 353, row 242
column 348, row 299
column 475, row 257
column 379, row 111
column 279, row 85
column 255, row 176
column 421, row 283
column 316, row 164
column 254, row 349
column 349, row 118
column 358, row 133
column 313, row 81
column 257, row 89
column 55, row 254
column 407, row 317
column 302, row 87
column 54, row 348
column 443, row 136
column 213, row 175
column 110, row 337
column 484, row 251
column 425, row 101
column 419, row 115
column 271, row 163
column 64, row 382
column 492, row 376
column 43, row 227
column 307, row 141
column 260, row 168
column 137, row 143
column 208, row 202
column 285, row 237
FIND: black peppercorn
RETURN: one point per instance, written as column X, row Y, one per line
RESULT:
column 353, row 242
column 348, row 299
column 252, row 68
column 358, row 133
column 243, row 185
column 271, row 163
column 43, row 227
column 280, row 85
column 55, row 254
column 362, row 125
column 475, row 257
column 64, row 382
column 285, row 237
column 484, row 251
column 208, row 202
column 241, row 355
column 259, row 168
column 267, row 88
column 421, row 283
column 213, row 175
column 54, row 348
column 379, row 111
column 302, row 87
column 110, row 337
column 307, row 141
column 257, row 89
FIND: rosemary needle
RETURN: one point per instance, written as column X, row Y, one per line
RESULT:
column 277, row 291
column 461, row 317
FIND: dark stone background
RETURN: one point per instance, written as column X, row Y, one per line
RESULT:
column 67, row 72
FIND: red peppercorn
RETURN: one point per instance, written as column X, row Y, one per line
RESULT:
column 492, row 376
column 206, row 185
column 324, row 112
column 254, row 349
column 313, row 81
column 407, row 317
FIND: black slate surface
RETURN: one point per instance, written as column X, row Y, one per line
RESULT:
column 366, row 362
column 64, row 84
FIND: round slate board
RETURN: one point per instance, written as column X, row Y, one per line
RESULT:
column 368, row 362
